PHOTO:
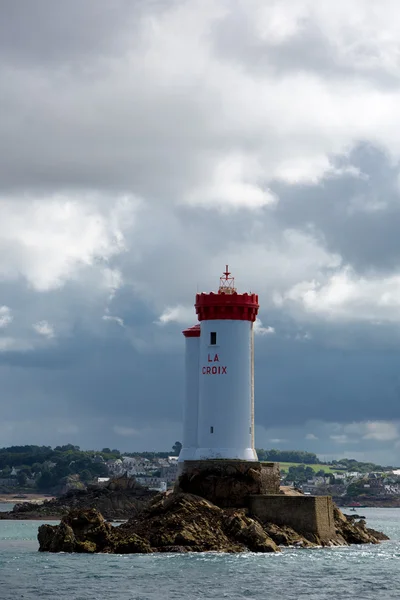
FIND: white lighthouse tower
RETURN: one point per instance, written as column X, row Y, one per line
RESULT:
column 219, row 403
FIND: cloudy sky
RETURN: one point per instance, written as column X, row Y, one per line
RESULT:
column 144, row 144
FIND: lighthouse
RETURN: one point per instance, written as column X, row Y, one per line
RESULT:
column 219, row 379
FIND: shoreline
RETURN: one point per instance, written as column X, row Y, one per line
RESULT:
column 34, row 498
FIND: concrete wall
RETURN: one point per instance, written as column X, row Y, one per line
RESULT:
column 309, row 515
column 270, row 478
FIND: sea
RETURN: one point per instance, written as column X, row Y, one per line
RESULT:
column 355, row 572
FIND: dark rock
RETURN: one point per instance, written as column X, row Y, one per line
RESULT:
column 56, row 538
column 378, row 535
column 171, row 523
column 248, row 532
column 355, row 532
column 132, row 544
column 79, row 531
column 286, row 536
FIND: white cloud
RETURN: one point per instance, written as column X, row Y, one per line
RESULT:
column 177, row 314
column 126, row 431
column 236, row 183
column 311, row 436
column 347, row 296
column 340, row 438
column 381, row 431
column 12, row 344
column 48, row 242
column 114, row 319
column 44, row 329
column 259, row 329
column 5, row 316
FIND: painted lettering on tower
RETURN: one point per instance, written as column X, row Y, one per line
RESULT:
column 214, row 370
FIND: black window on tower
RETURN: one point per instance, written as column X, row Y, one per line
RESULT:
column 213, row 338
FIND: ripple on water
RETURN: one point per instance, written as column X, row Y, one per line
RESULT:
column 359, row 572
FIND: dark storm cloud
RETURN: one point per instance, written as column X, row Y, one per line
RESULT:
column 299, row 381
column 356, row 216
column 57, row 34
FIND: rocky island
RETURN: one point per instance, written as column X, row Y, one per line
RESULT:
column 179, row 522
column 210, row 509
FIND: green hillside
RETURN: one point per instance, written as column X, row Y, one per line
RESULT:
column 284, row 466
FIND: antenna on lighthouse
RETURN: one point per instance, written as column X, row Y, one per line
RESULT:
column 226, row 283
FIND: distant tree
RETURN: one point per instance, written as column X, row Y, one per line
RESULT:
column 22, row 478
column 296, row 456
column 66, row 448
column 86, row 475
column 357, row 489
column 177, row 447
column 45, row 481
column 106, row 451
column 300, row 474
column 27, row 470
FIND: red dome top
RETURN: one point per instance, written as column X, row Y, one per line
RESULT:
column 227, row 303
column 192, row 331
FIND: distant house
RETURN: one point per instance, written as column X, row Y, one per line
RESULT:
column 114, row 466
column 150, row 482
column 97, row 458
column 7, row 481
column 103, row 480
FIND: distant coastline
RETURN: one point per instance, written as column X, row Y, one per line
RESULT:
column 15, row 498
column 368, row 502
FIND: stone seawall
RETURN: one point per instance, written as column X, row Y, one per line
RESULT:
column 310, row 515
column 228, row 483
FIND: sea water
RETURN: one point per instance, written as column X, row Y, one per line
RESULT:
column 356, row 572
